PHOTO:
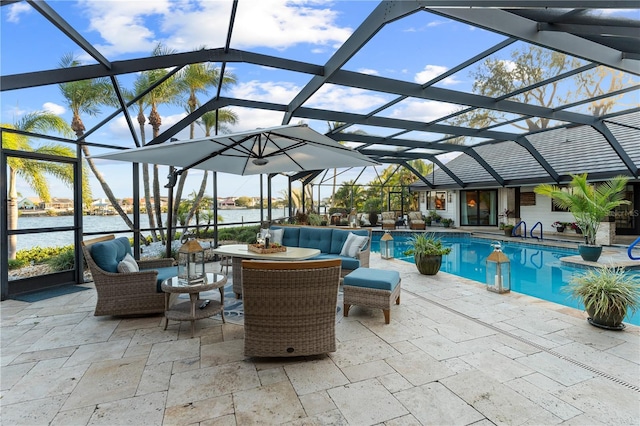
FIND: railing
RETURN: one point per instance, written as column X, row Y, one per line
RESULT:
column 631, row 247
column 515, row 228
column 534, row 227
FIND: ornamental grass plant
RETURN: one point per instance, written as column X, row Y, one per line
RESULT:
column 606, row 291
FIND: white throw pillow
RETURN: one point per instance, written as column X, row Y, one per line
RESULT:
column 128, row 264
column 276, row 235
column 353, row 244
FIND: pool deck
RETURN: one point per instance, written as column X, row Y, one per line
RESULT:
column 454, row 353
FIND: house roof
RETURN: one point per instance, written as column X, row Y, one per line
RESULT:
column 567, row 151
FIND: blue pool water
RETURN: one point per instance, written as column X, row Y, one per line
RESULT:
column 535, row 270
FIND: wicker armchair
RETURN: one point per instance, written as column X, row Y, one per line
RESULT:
column 290, row 307
column 416, row 221
column 126, row 293
column 389, row 220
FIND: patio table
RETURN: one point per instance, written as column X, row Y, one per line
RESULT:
column 237, row 252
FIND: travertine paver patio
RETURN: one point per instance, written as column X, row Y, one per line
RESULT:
column 453, row 354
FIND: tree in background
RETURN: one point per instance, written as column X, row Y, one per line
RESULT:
column 35, row 172
column 529, row 65
column 86, row 97
column 333, row 126
column 192, row 80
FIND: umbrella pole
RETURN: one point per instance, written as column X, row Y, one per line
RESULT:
column 170, row 210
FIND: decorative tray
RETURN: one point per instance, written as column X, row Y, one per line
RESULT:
column 259, row 248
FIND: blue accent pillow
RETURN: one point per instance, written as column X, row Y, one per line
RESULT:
column 108, row 254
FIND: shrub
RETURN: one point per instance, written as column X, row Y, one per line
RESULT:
column 62, row 261
column 17, row 263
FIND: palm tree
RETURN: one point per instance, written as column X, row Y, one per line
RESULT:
column 195, row 79
column 166, row 93
column 33, row 171
column 85, row 96
column 332, row 127
column 140, row 85
column 589, row 204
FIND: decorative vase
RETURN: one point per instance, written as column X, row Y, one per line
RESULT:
column 611, row 321
column 428, row 264
column 589, row 253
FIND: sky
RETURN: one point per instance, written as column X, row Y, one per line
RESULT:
column 410, row 49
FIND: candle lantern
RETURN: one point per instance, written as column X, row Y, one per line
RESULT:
column 191, row 263
column 498, row 270
column 386, row 246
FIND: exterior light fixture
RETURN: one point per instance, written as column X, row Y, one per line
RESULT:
column 498, row 270
column 386, row 246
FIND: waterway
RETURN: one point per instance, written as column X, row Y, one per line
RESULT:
column 108, row 224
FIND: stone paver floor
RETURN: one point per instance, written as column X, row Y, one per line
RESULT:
column 454, row 354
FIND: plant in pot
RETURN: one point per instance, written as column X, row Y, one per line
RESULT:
column 558, row 225
column 589, row 205
column 373, row 218
column 427, row 251
column 508, row 230
column 447, row 222
column 607, row 294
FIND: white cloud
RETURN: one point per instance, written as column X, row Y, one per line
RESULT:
column 54, row 108
column 122, row 26
column 368, row 71
column 425, row 111
column 349, row 99
column 184, row 26
column 432, row 71
column 17, row 9
column 272, row 91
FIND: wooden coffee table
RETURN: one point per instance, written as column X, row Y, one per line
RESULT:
column 237, row 252
column 195, row 308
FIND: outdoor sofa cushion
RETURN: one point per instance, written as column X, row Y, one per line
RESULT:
column 328, row 240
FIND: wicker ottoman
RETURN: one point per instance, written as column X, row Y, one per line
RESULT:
column 374, row 288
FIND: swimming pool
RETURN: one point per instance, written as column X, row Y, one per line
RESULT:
column 535, row 270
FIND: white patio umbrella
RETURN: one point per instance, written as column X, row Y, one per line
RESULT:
column 278, row 149
column 272, row 150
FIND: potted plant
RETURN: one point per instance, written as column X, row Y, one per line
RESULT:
column 446, row 222
column 558, row 225
column 508, row 230
column 435, row 217
column 607, row 294
column 575, row 227
column 373, row 218
column 589, row 205
column 427, row 251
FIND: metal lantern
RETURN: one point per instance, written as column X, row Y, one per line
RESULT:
column 498, row 270
column 191, row 263
column 386, row 246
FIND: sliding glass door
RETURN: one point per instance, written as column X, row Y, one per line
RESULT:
column 479, row 208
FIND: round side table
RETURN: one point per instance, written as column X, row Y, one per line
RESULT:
column 195, row 308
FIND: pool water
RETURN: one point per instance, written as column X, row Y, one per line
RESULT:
column 535, row 270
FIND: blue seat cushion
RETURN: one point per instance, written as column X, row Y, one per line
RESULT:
column 290, row 237
column 349, row 263
column 373, row 278
column 163, row 274
column 316, row 238
column 108, row 254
